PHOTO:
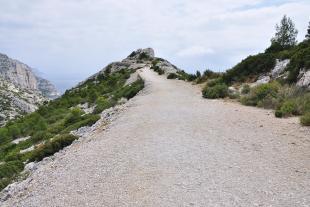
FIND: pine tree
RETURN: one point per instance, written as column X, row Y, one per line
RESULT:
column 308, row 32
column 286, row 33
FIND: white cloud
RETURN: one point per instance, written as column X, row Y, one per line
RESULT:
column 194, row 51
column 79, row 37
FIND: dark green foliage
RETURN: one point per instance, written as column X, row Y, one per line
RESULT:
column 286, row 33
column 198, row 74
column 308, row 32
column 299, row 60
column 186, row 76
column 158, row 69
column 74, row 116
column 219, row 90
column 250, row 68
column 207, row 75
column 130, row 91
column 144, row 56
column 8, row 171
column 4, row 135
column 40, row 135
column 53, row 146
column 102, row 104
column 172, row 76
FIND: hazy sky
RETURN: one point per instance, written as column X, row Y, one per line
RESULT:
column 68, row 40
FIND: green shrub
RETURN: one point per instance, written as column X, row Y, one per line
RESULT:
column 214, row 82
column 182, row 75
column 102, row 104
column 9, row 169
column 262, row 95
column 245, row 89
column 172, row 76
column 305, row 119
column 4, row 135
column 216, row 91
column 130, row 91
column 288, row 108
column 40, row 135
column 4, row 182
column 160, row 71
column 74, row 116
column 51, row 147
column 250, row 68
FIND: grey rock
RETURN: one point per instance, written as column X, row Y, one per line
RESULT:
column 21, row 90
column 304, row 79
column 263, row 79
column 279, row 68
column 30, row 167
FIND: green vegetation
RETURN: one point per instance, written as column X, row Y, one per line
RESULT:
column 305, row 119
column 50, row 126
column 250, row 68
column 9, row 171
column 281, row 94
column 52, row 146
column 218, row 90
column 263, row 95
column 286, row 100
column 156, row 68
column 172, row 76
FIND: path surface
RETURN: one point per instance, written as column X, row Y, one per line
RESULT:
column 173, row 148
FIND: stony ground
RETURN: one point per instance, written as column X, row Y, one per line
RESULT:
column 170, row 147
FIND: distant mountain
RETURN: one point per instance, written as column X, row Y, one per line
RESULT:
column 21, row 90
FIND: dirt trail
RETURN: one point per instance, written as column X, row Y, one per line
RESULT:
column 173, row 148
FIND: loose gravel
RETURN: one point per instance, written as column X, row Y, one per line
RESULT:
column 170, row 147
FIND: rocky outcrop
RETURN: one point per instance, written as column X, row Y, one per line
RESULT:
column 136, row 60
column 277, row 72
column 304, row 79
column 21, row 90
column 279, row 68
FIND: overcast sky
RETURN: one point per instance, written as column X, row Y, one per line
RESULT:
column 68, row 40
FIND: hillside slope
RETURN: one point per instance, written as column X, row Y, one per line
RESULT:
column 170, row 147
column 275, row 79
column 58, row 123
column 21, row 90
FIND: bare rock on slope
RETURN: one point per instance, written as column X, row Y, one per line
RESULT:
column 21, row 90
column 304, row 79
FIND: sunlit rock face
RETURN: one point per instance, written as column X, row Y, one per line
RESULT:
column 21, row 90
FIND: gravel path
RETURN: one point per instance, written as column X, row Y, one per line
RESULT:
column 170, row 147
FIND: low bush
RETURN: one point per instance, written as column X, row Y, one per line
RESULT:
column 186, row 76
column 305, row 119
column 74, row 116
column 172, row 76
column 102, row 104
column 9, row 169
column 216, row 91
column 130, row 91
column 51, row 147
column 245, row 89
column 262, row 95
column 288, row 108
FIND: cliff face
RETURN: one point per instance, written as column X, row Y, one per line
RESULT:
column 21, row 90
